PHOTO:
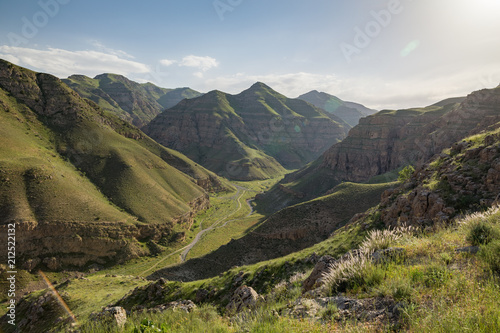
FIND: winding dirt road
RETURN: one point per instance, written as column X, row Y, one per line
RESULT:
column 185, row 250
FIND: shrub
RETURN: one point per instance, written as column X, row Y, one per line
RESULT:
column 490, row 254
column 399, row 288
column 383, row 239
column 435, row 276
column 405, row 174
column 356, row 270
column 481, row 233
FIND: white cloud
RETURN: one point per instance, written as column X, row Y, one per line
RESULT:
column 167, row 62
column 198, row 75
column 102, row 48
column 373, row 92
column 292, row 84
column 63, row 63
column 202, row 63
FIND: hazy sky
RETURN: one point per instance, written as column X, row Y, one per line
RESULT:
column 382, row 53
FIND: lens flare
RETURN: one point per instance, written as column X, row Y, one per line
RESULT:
column 58, row 297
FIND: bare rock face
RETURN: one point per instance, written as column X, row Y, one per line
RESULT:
column 468, row 178
column 388, row 140
column 243, row 297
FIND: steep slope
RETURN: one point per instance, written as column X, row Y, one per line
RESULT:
column 134, row 102
column 83, row 186
column 463, row 178
column 348, row 111
column 252, row 135
column 290, row 230
column 389, row 140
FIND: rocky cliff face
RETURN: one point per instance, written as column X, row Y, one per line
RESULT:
column 465, row 178
column 82, row 186
column 389, row 140
column 392, row 139
column 58, row 245
column 248, row 131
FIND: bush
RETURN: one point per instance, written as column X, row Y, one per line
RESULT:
column 490, row 254
column 435, row 276
column 405, row 174
column 481, row 233
column 355, row 271
column 383, row 239
column 399, row 288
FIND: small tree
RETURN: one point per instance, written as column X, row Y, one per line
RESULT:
column 405, row 174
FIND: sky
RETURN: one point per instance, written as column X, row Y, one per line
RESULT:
column 381, row 53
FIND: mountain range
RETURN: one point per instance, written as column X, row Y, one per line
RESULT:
column 137, row 103
column 350, row 112
column 388, row 140
column 97, row 172
column 256, row 134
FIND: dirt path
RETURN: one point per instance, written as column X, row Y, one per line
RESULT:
column 237, row 196
column 217, row 224
column 185, row 250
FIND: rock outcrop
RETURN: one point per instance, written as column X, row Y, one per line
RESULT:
column 465, row 178
column 244, row 297
column 115, row 316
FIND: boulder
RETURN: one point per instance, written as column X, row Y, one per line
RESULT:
column 314, row 279
column 114, row 315
column 243, row 297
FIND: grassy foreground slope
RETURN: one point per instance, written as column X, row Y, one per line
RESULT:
column 433, row 287
column 72, row 171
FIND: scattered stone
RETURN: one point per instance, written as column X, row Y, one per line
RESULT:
column 112, row 315
column 201, row 295
column 243, row 297
column 185, row 305
column 468, row 249
column 51, row 263
column 239, row 278
column 315, row 279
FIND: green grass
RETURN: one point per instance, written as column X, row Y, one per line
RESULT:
column 440, row 290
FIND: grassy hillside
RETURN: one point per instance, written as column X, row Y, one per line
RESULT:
column 70, row 167
column 253, row 135
column 348, row 111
